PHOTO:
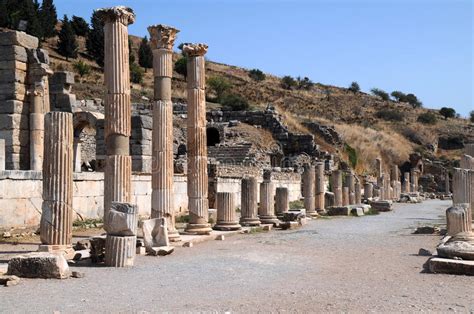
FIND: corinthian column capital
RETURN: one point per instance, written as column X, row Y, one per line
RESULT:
column 195, row 50
column 121, row 14
column 162, row 36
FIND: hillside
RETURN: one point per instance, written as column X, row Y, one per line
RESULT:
column 353, row 115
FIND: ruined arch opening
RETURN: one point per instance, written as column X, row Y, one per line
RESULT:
column 85, row 140
column 213, row 136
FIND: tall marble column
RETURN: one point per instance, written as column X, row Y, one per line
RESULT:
column 162, row 195
column 118, row 168
column 56, row 216
column 336, row 182
column 197, row 150
column 378, row 167
column 345, row 196
column 282, row 203
column 414, row 180
column 308, row 189
column 249, row 202
column 266, row 210
column 319, row 188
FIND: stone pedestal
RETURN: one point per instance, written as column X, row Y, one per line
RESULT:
column 226, row 217
column 282, row 203
column 162, row 41
column 309, row 189
column 368, row 190
column 266, row 211
column 77, row 155
column 457, row 219
column 117, row 175
column 249, row 202
column 320, row 188
column 336, row 183
column 56, row 216
column 196, row 140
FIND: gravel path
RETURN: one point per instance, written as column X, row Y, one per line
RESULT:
column 339, row 264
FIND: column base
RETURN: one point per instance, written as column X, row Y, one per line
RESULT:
column 173, row 235
column 250, row 222
column 198, row 229
column 66, row 250
column 312, row 213
column 227, row 226
column 270, row 219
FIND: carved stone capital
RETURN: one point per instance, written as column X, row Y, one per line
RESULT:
column 162, row 36
column 195, row 50
column 122, row 14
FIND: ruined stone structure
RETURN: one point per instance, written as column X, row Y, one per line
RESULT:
column 162, row 41
column 2, row 154
column 368, row 190
column 336, row 183
column 56, row 217
column 249, row 202
column 320, row 188
column 118, row 162
column 308, row 179
column 406, row 183
column 266, row 210
column 60, row 91
column 282, row 203
column 197, row 149
column 226, row 216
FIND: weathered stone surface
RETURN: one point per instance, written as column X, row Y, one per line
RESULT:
column 13, row 53
column 451, row 266
column 457, row 219
column 160, row 250
column 282, row 204
column 39, row 265
column 9, row 281
column 289, row 225
column 339, row 211
column 459, row 246
column 2, row 155
column 120, row 251
column 122, row 219
column 226, row 216
column 426, row 230
column 357, row 211
column 155, row 233
column 98, row 249
column 8, row 38
column 424, row 252
column 382, row 206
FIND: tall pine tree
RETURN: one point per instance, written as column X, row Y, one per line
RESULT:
column 145, row 54
column 95, row 40
column 48, row 18
column 67, row 44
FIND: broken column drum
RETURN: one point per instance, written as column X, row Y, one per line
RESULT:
column 249, row 202
column 368, row 190
column 463, row 191
column 198, row 202
column 457, row 219
column 282, row 203
column 336, row 182
column 56, row 216
column 266, row 210
column 226, row 216
column 162, row 205
column 118, row 169
column 309, row 189
column 319, row 188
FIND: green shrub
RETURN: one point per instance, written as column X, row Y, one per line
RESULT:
column 304, row 83
column 354, row 87
column 287, row 82
column 82, row 68
column 427, row 118
column 136, row 73
column 298, row 204
column 447, row 112
column 381, row 93
column 257, row 75
column 352, row 153
column 80, row 26
column 234, row 102
column 219, row 85
column 180, row 66
column 389, row 115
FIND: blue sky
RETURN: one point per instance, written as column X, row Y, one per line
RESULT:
column 420, row 46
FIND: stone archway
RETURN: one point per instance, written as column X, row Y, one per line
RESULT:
column 213, row 136
column 86, row 125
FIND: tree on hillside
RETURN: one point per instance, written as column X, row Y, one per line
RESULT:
column 399, row 96
column 48, row 18
column 145, row 54
column 304, row 83
column 381, row 93
column 471, row 116
column 131, row 55
column 413, row 100
column 219, row 86
column 80, row 26
column 447, row 112
column 180, row 66
column 14, row 11
column 67, row 44
column 257, row 75
column 427, row 118
column 287, row 82
column 354, row 87
column 95, row 40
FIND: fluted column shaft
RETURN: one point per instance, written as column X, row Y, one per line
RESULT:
column 249, row 202
column 266, row 210
column 308, row 189
column 282, row 203
column 56, row 216
column 162, row 204
column 336, row 182
column 463, row 189
column 319, row 187
column 196, row 139
column 226, row 216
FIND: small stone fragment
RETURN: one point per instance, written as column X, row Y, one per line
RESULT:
column 426, row 230
column 141, row 250
column 220, row 237
column 77, row 274
column 6, row 235
column 424, row 252
column 187, row 244
column 160, row 250
column 9, row 281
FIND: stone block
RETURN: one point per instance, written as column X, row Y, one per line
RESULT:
column 39, row 265
column 160, row 250
column 15, row 137
column 339, row 211
column 357, row 211
column 451, row 266
column 61, row 78
column 9, row 281
column 289, row 225
column 13, row 121
column 267, row 227
column 382, row 206
column 12, row 91
column 12, row 75
column 18, row 38
column 155, row 233
column 122, row 219
column 13, row 64
column 141, row 250
column 14, row 106
column 98, row 249
column 220, row 237
column 13, row 53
